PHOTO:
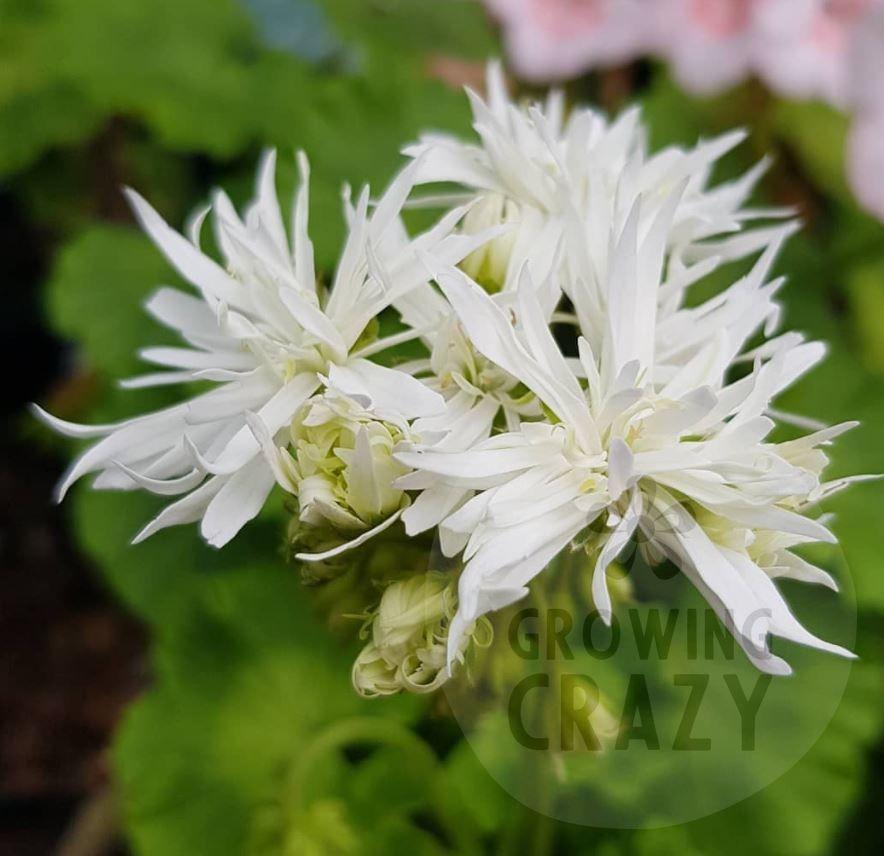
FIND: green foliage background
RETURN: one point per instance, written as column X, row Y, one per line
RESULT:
column 239, row 746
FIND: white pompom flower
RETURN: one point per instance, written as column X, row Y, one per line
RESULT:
column 269, row 336
column 556, row 175
column 636, row 440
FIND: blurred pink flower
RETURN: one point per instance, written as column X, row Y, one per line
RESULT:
column 803, row 47
column 865, row 162
column 832, row 50
column 556, row 39
column 865, row 146
column 866, row 63
column 708, row 43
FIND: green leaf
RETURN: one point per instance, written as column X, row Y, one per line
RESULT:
column 143, row 60
column 460, row 28
column 817, row 134
column 245, row 676
column 96, row 294
column 34, row 121
column 802, row 813
column 865, row 288
column 37, row 107
column 238, row 748
column 482, row 796
column 158, row 578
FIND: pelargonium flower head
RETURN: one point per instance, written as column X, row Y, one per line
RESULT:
column 558, row 180
column 710, row 44
column 471, row 379
column 865, row 153
column 478, row 394
column 633, row 443
column 269, row 336
column 555, row 39
column 804, row 47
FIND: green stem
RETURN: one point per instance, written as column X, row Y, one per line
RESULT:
column 534, row 830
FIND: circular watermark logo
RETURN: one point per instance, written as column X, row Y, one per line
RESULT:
column 659, row 717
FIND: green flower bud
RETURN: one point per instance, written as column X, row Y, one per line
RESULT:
column 342, row 464
column 409, row 637
column 488, row 265
column 604, row 723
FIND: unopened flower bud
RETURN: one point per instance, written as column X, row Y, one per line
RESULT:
column 409, row 637
column 343, row 466
column 488, row 265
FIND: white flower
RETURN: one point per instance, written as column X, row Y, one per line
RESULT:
column 563, row 188
column 489, row 264
column 477, row 394
column 638, row 443
column 269, row 336
column 564, row 180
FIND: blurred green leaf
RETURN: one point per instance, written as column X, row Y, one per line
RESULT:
column 105, row 57
column 56, row 115
column 865, row 288
column 484, row 798
column 460, row 28
column 839, row 389
column 68, row 66
column 237, row 748
column 96, row 294
column 158, row 578
column 802, row 813
column 245, row 676
column 816, row 133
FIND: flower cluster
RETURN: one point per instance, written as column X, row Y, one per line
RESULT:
column 646, row 417
column 831, row 50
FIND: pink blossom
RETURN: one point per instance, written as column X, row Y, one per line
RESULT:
column 866, row 64
column 803, row 46
column 832, row 50
column 865, row 145
column 708, row 43
column 865, row 162
column 557, row 39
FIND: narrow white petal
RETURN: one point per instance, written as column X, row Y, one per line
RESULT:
column 388, row 390
column 240, row 499
column 615, row 542
column 350, row 545
column 164, row 487
column 187, row 510
column 193, row 265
